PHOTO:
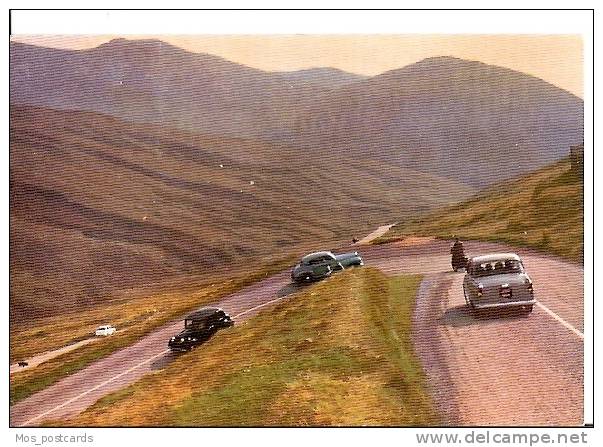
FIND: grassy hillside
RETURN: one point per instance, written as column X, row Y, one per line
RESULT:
column 99, row 206
column 338, row 353
column 544, row 210
column 135, row 317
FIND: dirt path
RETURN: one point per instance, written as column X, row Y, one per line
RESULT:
column 510, row 371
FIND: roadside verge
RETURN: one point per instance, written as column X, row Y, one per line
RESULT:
column 339, row 353
column 167, row 307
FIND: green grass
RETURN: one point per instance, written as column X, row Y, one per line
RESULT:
column 336, row 353
column 543, row 210
column 171, row 306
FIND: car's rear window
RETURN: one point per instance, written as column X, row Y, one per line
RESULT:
column 499, row 267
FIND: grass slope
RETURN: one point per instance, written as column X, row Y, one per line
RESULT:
column 134, row 318
column 543, row 210
column 337, row 353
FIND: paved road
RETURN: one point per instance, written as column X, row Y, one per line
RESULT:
column 497, row 369
column 78, row 391
column 501, row 371
column 375, row 234
column 34, row 361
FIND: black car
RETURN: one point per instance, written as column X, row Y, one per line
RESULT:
column 199, row 327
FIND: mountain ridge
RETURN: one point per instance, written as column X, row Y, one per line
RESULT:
column 139, row 44
column 450, row 117
column 159, row 83
column 136, row 81
column 99, row 206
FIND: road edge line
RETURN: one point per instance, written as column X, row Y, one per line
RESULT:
column 100, row 385
column 560, row 320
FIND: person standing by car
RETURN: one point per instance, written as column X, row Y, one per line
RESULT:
column 459, row 260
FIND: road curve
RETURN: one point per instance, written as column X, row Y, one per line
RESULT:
column 498, row 371
column 375, row 234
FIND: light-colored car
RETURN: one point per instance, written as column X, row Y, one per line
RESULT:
column 105, row 330
column 498, row 281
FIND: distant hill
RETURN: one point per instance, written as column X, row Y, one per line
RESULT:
column 152, row 81
column 464, row 120
column 544, row 209
column 324, row 77
column 98, row 205
column 467, row 121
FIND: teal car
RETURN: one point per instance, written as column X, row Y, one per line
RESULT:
column 322, row 264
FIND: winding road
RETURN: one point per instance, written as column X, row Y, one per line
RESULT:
column 498, row 370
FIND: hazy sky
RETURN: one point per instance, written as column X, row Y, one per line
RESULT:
column 554, row 58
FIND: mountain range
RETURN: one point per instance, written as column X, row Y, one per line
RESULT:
column 151, row 81
column 138, row 161
column 464, row 120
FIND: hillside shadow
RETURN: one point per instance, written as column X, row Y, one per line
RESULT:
column 290, row 289
column 165, row 360
column 168, row 358
column 460, row 316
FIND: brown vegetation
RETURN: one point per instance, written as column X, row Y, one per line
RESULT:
column 99, row 206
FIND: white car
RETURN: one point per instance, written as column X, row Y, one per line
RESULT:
column 498, row 281
column 105, row 330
